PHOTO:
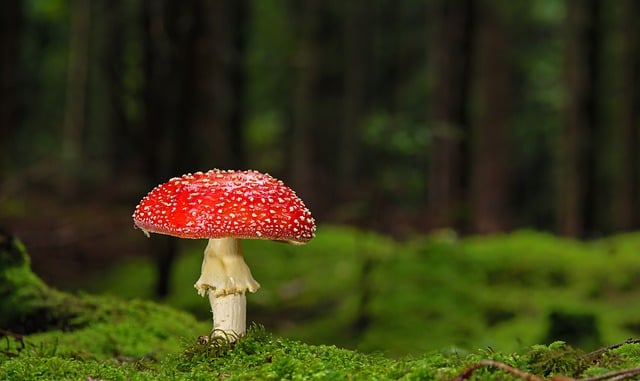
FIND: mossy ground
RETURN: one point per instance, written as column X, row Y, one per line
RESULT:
column 91, row 337
column 153, row 349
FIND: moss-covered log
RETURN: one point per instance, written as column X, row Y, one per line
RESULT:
column 27, row 304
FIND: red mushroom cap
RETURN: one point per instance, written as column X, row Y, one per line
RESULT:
column 218, row 204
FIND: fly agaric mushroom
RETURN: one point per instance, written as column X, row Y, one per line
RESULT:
column 224, row 207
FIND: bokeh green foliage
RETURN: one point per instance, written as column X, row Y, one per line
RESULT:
column 426, row 293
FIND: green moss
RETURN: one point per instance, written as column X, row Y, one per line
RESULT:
column 140, row 340
column 259, row 356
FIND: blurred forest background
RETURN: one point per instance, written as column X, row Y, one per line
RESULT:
column 402, row 117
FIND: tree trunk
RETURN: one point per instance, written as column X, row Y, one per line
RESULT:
column 355, row 74
column 304, row 103
column 237, row 76
column 169, row 29
column 626, row 192
column 217, row 78
column 121, row 140
column 10, row 31
column 449, row 120
column 577, row 186
column 75, row 113
column 489, row 197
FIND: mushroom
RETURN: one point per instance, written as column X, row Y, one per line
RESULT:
column 224, row 207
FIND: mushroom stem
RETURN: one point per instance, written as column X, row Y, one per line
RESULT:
column 229, row 315
column 225, row 277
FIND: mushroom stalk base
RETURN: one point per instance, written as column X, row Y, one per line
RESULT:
column 229, row 315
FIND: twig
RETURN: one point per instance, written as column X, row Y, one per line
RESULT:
column 496, row 364
column 610, row 347
column 618, row 375
column 615, row 376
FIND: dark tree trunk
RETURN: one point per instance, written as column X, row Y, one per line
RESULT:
column 75, row 117
column 218, row 81
column 355, row 74
column 237, row 76
column 170, row 27
column 121, row 138
column 451, row 54
column 577, row 185
column 10, row 31
column 490, row 182
column 158, row 152
column 626, row 195
column 304, row 103
column 165, row 71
